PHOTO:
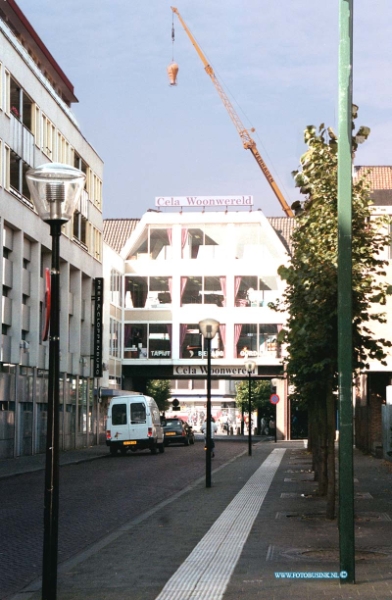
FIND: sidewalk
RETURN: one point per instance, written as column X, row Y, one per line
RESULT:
column 27, row 464
column 259, row 518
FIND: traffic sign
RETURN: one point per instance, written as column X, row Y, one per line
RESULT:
column 274, row 398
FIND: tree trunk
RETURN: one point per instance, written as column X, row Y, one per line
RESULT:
column 331, row 432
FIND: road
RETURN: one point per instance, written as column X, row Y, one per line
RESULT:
column 96, row 498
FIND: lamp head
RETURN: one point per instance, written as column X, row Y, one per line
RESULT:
column 250, row 366
column 55, row 189
column 209, row 328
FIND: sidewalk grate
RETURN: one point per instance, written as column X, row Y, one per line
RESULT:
column 206, row 572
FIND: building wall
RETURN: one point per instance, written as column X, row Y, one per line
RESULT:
column 180, row 268
column 37, row 126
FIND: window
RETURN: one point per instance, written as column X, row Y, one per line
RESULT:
column 159, row 340
column 253, row 340
column 155, row 243
column 203, row 290
column 151, row 340
column 138, row 413
column 119, row 414
column 191, row 342
column 255, row 292
column 17, row 177
column 115, row 287
column 147, row 292
column 204, row 242
column 114, row 338
column 48, row 136
column 79, row 224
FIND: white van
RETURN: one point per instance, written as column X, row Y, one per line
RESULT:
column 134, row 423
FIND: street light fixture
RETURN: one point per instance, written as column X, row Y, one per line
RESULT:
column 55, row 189
column 209, row 329
column 250, row 366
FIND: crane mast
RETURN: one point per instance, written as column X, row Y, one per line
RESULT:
column 247, row 141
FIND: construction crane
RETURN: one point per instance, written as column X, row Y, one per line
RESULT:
column 247, row 141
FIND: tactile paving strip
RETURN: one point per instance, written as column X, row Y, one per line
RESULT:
column 204, row 575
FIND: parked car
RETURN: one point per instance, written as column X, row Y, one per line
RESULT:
column 176, row 431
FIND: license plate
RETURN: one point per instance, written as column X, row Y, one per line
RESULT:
column 132, row 443
column 170, row 433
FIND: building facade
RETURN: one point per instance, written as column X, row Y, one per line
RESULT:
column 179, row 268
column 37, row 126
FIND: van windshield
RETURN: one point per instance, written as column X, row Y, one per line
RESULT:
column 119, row 414
column 138, row 412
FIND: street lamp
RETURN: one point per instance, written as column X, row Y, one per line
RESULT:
column 209, row 329
column 55, row 189
column 250, row 366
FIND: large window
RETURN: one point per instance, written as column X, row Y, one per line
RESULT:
column 115, row 287
column 253, row 291
column 147, row 292
column 204, row 242
column 115, row 338
column 193, row 346
column 256, row 340
column 152, row 340
column 248, row 241
column 155, row 243
column 203, row 290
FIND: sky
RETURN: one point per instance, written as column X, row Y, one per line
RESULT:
column 277, row 61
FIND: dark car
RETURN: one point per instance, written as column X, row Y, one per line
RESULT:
column 176, row 431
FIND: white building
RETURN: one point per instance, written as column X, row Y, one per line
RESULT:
column 38, row 126
column 179, row 268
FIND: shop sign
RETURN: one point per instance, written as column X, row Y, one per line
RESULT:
column 98, row 314
column 233, row 371
column 203, row 201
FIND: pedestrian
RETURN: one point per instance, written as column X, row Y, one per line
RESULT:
column 214, row 429
column 272, row 426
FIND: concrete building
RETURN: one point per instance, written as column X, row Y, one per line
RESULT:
column 37, row 126
column 177, row 269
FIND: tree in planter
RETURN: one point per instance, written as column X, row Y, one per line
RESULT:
column 261, row 392
column 311, row 294
column 160, row 390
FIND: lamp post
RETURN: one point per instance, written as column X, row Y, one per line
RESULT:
column 250, row 366
column 55, row 189
column 209, row 329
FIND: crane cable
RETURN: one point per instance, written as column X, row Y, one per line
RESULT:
column 173, row 37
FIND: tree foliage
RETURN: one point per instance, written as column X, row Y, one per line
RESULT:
column 261, row 392
column 160, row 390
column 311, row 294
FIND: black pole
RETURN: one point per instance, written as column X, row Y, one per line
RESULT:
column 51, row 497
column 276, row 429
column 242, row 419
column 250, row 417
column 208, row 452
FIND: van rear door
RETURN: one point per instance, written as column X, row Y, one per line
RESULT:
column 138, row 422
column 120, row 424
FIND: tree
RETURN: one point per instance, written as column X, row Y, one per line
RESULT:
column 160, row 390
column 311, row 293
column 261, row 392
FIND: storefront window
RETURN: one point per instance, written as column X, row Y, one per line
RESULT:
column 151, row 340
column 159, row 341
column 135, row 341
column 192, row 344
column 253, row 340
column 190, row 341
